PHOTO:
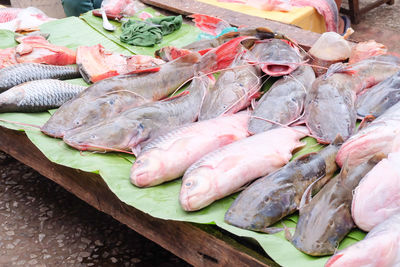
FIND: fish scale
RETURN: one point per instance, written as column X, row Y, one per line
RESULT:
column 35, row 96
column 24, row 72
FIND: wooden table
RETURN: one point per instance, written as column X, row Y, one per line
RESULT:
column 197, row 244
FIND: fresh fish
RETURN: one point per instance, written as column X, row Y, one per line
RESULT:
column 20, row 73
column 329, row 107
column 227, row 169
column 380, row 97
column 36, row 96
column 110, row 97
column 36, row 49
column 330, row 104
column 22, row 19
column 380, row 248
column 364, row 50
column 95, row 63
column 276, row 57
column 379, row 136
column 278, row 194
column 137, row 126
column 168, row 156
column 7, row 57
column 233, row 90
column 284, row 101
column 326, row 220
column 377, row 197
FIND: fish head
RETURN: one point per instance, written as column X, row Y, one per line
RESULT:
column 276, row 57
column 147, row 170
column 116, row 134
column 197, row 189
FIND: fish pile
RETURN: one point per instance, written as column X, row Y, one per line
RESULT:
column 179, row 120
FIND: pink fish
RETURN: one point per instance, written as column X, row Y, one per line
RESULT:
column 377, row 197
column 168, row 157
column 377, row 137
column 227, row 169
column 380, row 248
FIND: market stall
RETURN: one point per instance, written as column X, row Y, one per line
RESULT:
column 102, row 180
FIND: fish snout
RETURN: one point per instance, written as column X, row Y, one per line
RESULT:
column 196, row 191
column 146, row 172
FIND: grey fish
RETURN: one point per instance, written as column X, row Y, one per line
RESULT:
column 276, row 56
column 279, row 194
column 284, row 101
column 233, row 90
column 36, row 96
column 136, row 127
column 379, row 98
column 326, row 220
column 109, row 97
column 330, row 104
column 24, row 72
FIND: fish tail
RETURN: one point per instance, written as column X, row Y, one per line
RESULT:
column 208, row 24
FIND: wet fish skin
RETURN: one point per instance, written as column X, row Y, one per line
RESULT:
column 276, row 56
column 233, row 90
column 135, row 127
column 381, row 247
column 284, row 101
column 326, row 220
column 278, row 194
column 112, row 96
column 375, row 199
column 225, row 170
column 36, row 96
column 168, row 156
column 378, row 136
column 24, row 72
column 380, row 97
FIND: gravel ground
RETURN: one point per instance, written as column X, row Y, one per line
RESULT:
column 41, row 224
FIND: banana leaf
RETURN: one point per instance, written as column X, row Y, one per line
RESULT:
column 185, row 35
column 160, row 201
column 7, row 39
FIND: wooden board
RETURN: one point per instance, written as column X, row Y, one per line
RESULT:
column 194, row 244
column 305, row 38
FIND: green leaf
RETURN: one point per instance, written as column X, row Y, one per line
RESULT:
column 160, row 201
column 185, row 35
column 7, row 39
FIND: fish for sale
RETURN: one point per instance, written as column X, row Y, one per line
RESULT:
column 135, row 127
column 22, row 19
column 36, row 96
column 380, row 247
column 330, row 104
column 284, row 101
column 227, row 169
column 7, row 57
column 364, row 50
column 36, row 49
column 168, row 156
column 279, row 194
column 233, row 91
column 377, row 197
column 110, row 97
column 329, row 107
column 379, row 136
column 95, row 63
column 380, row 97
column 277, row 57
column 24, row 72
column 326, row 220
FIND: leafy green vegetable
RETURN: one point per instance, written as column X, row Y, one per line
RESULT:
column 160, row 201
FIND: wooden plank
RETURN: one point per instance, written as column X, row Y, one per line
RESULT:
column 183, row 239
column 305, row 38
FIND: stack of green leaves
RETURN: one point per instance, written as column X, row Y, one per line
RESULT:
column 149, row 32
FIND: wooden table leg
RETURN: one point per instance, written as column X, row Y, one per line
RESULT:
column 354, row 13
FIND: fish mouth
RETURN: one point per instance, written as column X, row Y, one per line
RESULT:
column 275, row 70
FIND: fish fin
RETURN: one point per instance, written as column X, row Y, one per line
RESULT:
column 338, row 140
column 253, row 103
column 272, row 230
column 208, row 24
column 204, row 51
column 136, row 150
column 288, row 234
column 306, row 197
column 297, row 123
column 176, row 96
column 338, row 68
column 366, row 121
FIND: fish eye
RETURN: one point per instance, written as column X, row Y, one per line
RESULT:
column 189, row 183
column 93, row 136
